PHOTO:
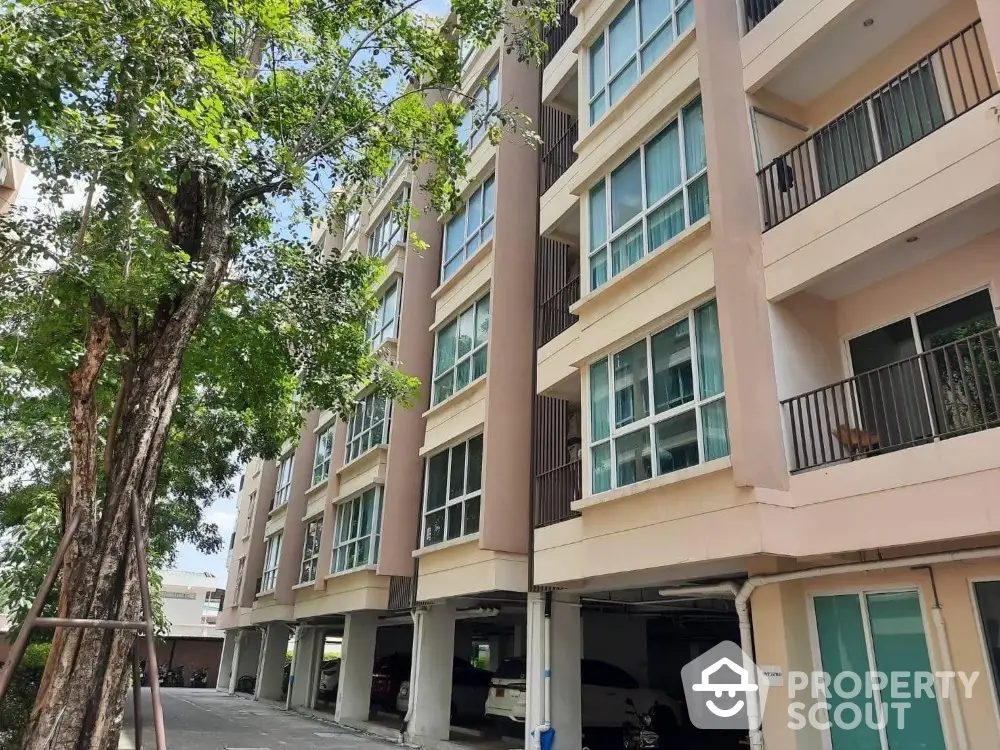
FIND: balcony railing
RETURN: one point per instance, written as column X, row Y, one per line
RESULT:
column 950, row 390
column 946, row 83
column 555, row 490
column 558, row 154
column 757, row 10
column 556, row 36
column 554, row 316
column 401, row 592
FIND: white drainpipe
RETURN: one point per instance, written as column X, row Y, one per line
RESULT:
column 742, row 594
column 545, row 722
column 418, row 628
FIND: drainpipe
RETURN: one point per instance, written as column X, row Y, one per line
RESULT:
column 744, row 591
column 545, row 720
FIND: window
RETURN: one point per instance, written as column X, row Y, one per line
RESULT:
column 351, row 223
column 389, row 231
column 369, row 427
column 242, row 478
column 987, row 596
column 460, row 350
column 637, row 38
column 310, row 550
column 468, row 229
column 321, row 459
column 382, row 325
column 452, row 492
column 466, row 51
column 484, row 101
column 359, row 528
column 657, row 192
column 250, row 512
column 239, row 577
column 877, row 632
column 189, row 595
column 651, row 426
column 272, row 554
column 283, row 488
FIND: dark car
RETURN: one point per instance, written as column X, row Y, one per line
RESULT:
column 393, row 671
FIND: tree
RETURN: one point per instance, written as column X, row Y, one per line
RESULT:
column 177, row 318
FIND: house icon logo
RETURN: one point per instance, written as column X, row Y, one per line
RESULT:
column 724, row 688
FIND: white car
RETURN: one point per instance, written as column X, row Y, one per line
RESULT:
column 605, row 691
column 329, row 679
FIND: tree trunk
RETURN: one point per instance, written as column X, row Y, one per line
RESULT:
column 79, row 703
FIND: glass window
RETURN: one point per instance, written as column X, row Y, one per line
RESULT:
column 351, row 223
column 633, row 41
column 657, row 192
column 321, row 460
column 988, row 605
column 659, row 424
column 359, row 530
column 390, row 229
column 283, row 487
column 272, row 555
column 469, row 228
column 461, row 350
column 369, row 427
column 382, row 325
column 453, row 492
column 310, row 550
column 484, row 102
column 250, row 511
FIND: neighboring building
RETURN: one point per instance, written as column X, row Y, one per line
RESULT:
column 191, row 603
column 12, row 172
column 766, row 280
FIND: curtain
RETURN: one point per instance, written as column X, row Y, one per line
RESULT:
column 600, row 459
column 663, row 164
column 626, row 249
column 698, row 198
column 706, row 329
column 597, row 207
column 694, row 138
column 600, row 426
column 651, row 14
column 626, row 192
column 621, row 36
column 715, row 430
column 598, row 268
column 667, row 221
column 631, row 375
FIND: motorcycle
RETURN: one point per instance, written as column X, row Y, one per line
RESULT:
column 172, row 677
column 199, row 678
column 639, row 734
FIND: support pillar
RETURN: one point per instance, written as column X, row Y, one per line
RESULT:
column 357, row 656
column 989, row 13
column 566, row 651
column 272, row 665
column 430, row 676
column 309, row 656
column 226, row 661
column 246, row 656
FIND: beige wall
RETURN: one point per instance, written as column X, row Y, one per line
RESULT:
column 10, row 190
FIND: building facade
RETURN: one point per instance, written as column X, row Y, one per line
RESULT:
column 739, row 382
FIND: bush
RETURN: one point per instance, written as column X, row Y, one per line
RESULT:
column 20, row 697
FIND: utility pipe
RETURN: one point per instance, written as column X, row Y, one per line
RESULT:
column 954, row 701
column 547, row 664
column 744, row 591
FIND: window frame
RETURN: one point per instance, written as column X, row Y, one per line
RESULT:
column 374, row 535
column 351, row 222
column 250, row 512
column 468, row 356
column 480, row 97
column 269, row 575
column 283, row 485
column 310, row 555
column 649, row 423
column 482, row 233
column 362, row 411
column 379, row 331
column 321, row 463
column 380, row 246
column 642, row 217
column 461, row 500
column 240, row 569
column 636, row 57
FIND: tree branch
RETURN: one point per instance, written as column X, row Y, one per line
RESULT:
column 154, row 202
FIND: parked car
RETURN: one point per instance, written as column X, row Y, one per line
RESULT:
column 329, row 679
column 469, row 688
column 389, row 673
column 605, row 692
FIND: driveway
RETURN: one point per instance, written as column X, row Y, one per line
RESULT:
column 207, row 720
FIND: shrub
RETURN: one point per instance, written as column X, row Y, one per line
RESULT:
column 20, row 697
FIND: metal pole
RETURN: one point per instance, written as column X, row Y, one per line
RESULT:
column 71, row 622
column 136, row 696
column 154, row 684
column 21, row 642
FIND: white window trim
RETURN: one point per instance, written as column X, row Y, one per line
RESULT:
column 400, row 201
column 648, row 423
column 642, row 217
column 468, row 235
column 379, row 332
column 374, row 535
column 641, row 45
column 468, row 356
column 283, row 492
column 364, row 404
column 449, row 501
column 250, row 512
column 481, row 100
column 321, row 461
column 240, row 569
column 312, row 559
column 269, row 575
column 351, row 223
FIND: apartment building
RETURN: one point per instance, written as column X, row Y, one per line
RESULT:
column 403, row 533
column 12, row 173
column 768, row 381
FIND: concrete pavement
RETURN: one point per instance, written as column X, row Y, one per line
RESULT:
column 203, row 719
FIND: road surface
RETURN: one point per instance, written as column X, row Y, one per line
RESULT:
column 203, row 719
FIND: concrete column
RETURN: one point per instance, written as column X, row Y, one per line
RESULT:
column 234, row 669
column 989, row 13
column 226, row 661
column 566, row 650
column 302, row 690
column 534, row 672
column 430, row 676
column 357, row 656
column 247, row 656
column 272, row 665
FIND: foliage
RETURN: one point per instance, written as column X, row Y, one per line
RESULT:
column 21, row 695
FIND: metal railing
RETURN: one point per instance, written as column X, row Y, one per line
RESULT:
column 555, row 490
column 401, row 592
column 558, row 156
column 937, row 88
column 556, row 36
column 554, row 316
column 757, row 10
column 946, row 391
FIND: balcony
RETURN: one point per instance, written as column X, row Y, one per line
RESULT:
column 555, row 491
column 755, row 11
column 944, row 84
column 557, row 286
column 946, row 391
column 559, row 133
column 556, row 36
